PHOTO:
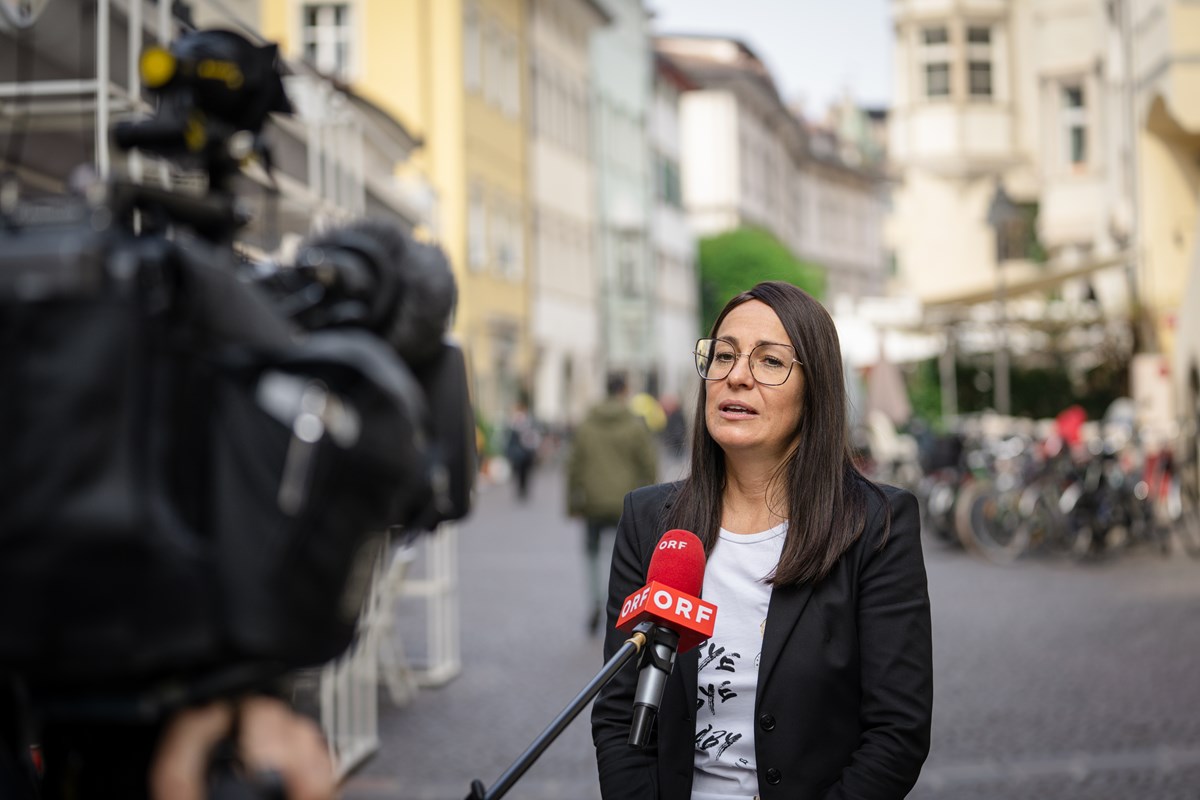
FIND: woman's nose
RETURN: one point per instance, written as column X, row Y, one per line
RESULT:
column 740, row 373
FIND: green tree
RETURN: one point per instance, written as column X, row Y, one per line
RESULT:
column 925, row 392
column 732, row 262
column 1036, row 392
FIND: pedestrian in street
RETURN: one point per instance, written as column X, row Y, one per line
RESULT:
column 521, row 448
column 817, row 681
column 674, row 432
column 612, row 454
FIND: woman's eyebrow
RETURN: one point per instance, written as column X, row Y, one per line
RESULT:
column 733, row 340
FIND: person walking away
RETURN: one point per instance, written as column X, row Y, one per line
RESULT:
column 818, row 678
column 674, row 433
column 613, row 453
column 521, row 449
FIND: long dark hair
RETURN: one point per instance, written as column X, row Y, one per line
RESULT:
column 826, row 493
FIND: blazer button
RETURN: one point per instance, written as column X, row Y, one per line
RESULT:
column 774, row 776
column 767, row 722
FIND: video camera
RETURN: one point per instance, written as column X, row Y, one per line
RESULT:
column 198, row 448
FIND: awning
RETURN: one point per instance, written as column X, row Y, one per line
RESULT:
column 1053, row 277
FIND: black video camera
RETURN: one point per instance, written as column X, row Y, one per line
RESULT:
column 197, row 449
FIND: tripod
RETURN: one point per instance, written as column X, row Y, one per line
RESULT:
column 642, row 633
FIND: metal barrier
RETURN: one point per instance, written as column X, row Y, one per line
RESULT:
column 437, row 588
column 348, row 689
column 349, row 686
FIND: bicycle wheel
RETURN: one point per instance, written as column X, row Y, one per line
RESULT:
column 937, row 512
column 1045, row 525
column 1187, row 525
column 994, row 526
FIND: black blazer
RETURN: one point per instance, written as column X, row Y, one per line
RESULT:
column 845, row 684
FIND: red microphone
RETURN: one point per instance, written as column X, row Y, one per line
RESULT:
column 669, row 598
column 681, row 620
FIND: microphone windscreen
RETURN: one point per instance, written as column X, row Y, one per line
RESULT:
column 678, row 562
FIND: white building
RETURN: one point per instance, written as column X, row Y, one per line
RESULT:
column 677, row 317
column 621, row 79
column 748, row 161
column 742, row 149
column 565, row 303
column 1086, row 114
column 843, row 208
column 1023, row 94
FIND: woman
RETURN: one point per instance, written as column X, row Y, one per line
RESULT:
column 817, row 682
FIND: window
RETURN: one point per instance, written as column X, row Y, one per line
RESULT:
column 507, row 56
column 979, row 76
column 932, row 36
column 1017, row 238
column 935, row 58
column 626, row 266
column 517, row 242
column 326, row 37
column 937, row 80
column 508, row 239
column 667, row 181
column 979, row 62
column 476, row 230
column 498, row 59
column 576, row 119
column 472, row 56
column 502, row 240
column 1074, row 122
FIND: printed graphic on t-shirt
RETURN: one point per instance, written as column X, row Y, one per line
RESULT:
column 727, row 668
column 713, row 691
column 716, row 658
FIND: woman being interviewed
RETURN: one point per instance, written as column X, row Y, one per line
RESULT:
column 817, row 682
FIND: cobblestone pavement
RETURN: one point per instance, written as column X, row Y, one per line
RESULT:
column 1052, row 680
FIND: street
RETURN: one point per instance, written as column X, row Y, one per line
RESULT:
column 1052, row 679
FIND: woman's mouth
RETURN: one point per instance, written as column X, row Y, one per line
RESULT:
column 731, row 409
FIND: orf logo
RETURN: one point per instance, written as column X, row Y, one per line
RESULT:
column 664, row 605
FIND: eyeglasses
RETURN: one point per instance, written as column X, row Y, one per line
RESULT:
column 770, row 364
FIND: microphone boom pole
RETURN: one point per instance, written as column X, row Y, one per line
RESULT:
column 632, row 646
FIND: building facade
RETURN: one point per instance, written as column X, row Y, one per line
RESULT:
column 1161, row 39
column 672, row 242
column 565, row 304
column 748, row 160
column 455, row 73
column 842, row 209
column 621, row 81
column 742, row 149
column 960, row 125
column 1085, row 115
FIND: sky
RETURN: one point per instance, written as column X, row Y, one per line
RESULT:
column 815, row 49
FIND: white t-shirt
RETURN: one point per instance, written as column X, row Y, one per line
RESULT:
column 727, row 680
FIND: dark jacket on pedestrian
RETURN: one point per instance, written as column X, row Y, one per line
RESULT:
column 844, row 698
column 613, row 453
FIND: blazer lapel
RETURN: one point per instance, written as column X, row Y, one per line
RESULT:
column 688, row 665
column 787, row 604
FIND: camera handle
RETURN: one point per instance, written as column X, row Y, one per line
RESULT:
column 214, row 216
column 627, row 652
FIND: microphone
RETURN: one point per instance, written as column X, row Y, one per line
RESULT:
column 681, row 620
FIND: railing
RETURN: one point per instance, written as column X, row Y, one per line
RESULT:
column 349, row 687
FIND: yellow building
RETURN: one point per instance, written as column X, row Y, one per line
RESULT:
column 1165, row 47
column 453, row 71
